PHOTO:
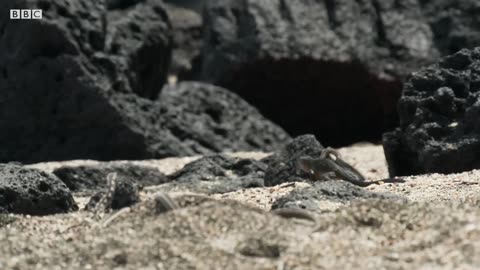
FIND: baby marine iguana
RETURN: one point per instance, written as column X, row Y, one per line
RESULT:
column 327, row 167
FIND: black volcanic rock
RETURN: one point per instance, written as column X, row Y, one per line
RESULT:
column 217, row 174
column 207, row 118
column 61, row 96
column 332, row 68
column 79, row 84
column 455, row 23
column 439, row 119
column 90, row 178
column 33, row 192
column 282, row 165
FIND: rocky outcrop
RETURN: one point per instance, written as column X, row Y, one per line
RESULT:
column 205, row 119
column 439, row 119
column 33, row 192
column 88, row 179
column 217, row 174
column 78, row 85
column 454, row 23
column 64, row 90
column 338, row 65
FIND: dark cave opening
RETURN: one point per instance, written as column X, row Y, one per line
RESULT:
column 341, row 103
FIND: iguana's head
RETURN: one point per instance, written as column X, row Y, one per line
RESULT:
column 305, row 164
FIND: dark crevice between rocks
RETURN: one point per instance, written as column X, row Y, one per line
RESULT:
column 332, row 18
column 341, row 103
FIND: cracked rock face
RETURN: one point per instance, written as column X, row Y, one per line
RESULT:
column 33, row 192
column 338, row 64
column 439, row 119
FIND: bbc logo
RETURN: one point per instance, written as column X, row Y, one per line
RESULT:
column 25, row 14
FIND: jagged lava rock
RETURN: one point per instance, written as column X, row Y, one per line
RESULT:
column 33, row 192
column 218, row 174
column 332, row 68
column 64, row 93
column 93, row 177
column 439, row 119
column 282, row 166
column 77, row 85
column 207, row 118
column 454, row 23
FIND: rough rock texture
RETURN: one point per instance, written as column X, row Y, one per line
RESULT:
column 338, row 65
column 138, row 43
column 91, row 178
column 217, row 174
column 439, row 119
column 455, row 23
column 336, row 192
column 33, row 192
column 196, row 5
column 207, row 118
column 60, row 95
column 187, row 42
column 282, row 165
column 76, row 84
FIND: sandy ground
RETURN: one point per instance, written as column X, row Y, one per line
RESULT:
column 435, row 225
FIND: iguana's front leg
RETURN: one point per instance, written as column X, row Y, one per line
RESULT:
column 324, row 176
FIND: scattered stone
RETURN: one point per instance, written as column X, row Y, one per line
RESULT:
column 313, row 198
column 217, row 174
column 88, row 179
column 439, row 111
column 331, row 68
column 33, row 192
column 282, row 166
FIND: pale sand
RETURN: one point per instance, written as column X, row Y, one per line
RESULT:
column 438, row 228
